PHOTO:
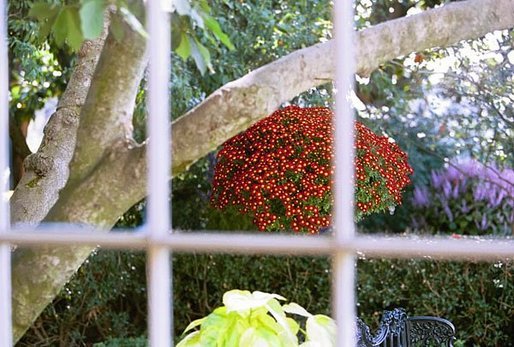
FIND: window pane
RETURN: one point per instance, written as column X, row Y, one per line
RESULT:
column 475, row 297
column 200, row 280
column 105, row 300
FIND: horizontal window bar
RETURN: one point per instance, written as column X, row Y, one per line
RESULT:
column 380, row 246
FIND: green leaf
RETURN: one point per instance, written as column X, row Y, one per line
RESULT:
column 42, row 11
column 231, row 332
column 278, row 313
column 67, row 28
column 215, row 28
column 92, row 18
column 233, row 335
column 243, row 300
column 266, row 321
column 191, row 340
column 194, row 324
column 259, row 337
column 46, row 15
column 205, row 55
column 197, row 56
column 213, row 325
column 184, row 49
column 197, row 18
column 294, row 308
column 321, row 329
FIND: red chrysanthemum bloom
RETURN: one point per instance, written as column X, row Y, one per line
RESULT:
column 279, row 171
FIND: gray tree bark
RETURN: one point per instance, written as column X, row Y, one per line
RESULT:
column 108, row 171
column 46, row 171
column 103, row 139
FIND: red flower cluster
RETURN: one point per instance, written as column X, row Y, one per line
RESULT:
column 279, row 170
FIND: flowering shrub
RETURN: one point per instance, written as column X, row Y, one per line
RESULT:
column 467, row 197
column 279, row 171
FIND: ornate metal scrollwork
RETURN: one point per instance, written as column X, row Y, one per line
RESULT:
column 398, row 330
column 392, row 324
column 430, row 331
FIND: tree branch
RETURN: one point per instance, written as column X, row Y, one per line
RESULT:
column 106, row 117
column 46, row 171
column 238, row 104
column 102, row 149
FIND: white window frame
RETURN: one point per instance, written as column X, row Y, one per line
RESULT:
column 158, row 239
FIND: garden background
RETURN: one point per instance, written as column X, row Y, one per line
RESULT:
column 449, row 109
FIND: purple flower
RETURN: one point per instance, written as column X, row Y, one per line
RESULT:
column 452, row 174
column 466, row 188
column 483, row 224
column 470, row 167
column 464, row 207
column 496, row 201
column 436, row 179
column 420, row 198
column 448, row 212
column 447, row 189
column 456, row 190
column 479, row 192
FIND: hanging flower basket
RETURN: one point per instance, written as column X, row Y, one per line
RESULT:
column 279, row 171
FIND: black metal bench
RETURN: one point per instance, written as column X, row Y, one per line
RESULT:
column 396, row 329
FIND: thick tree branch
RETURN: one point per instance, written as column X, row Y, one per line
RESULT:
column 106, row 117
column 238, row 104
column 101, row 145
column 46, row 171
column 39, row 274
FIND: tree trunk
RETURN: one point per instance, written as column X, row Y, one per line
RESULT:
column 46, row 171
column 103, row 146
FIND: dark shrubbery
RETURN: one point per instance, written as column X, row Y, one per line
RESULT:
column 107, row 298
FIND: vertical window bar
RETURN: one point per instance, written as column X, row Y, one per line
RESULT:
column 159, row 163
column 5, row 250
column 344, row 261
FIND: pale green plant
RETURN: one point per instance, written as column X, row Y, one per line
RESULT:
column 259, row 320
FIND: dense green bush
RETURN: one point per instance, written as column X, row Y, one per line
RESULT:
column 103, row 302
column 477, row 297
column 106, row 298
column 479, row 300
column 124, row 342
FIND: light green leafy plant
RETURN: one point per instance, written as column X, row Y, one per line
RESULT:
column 259, row 319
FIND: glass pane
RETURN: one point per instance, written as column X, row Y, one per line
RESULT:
column 439, row 106
column 200, row 282
column 475, row 297
column 104, row 302
column 267, row 31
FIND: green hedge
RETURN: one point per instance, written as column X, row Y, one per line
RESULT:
column 107, row 298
